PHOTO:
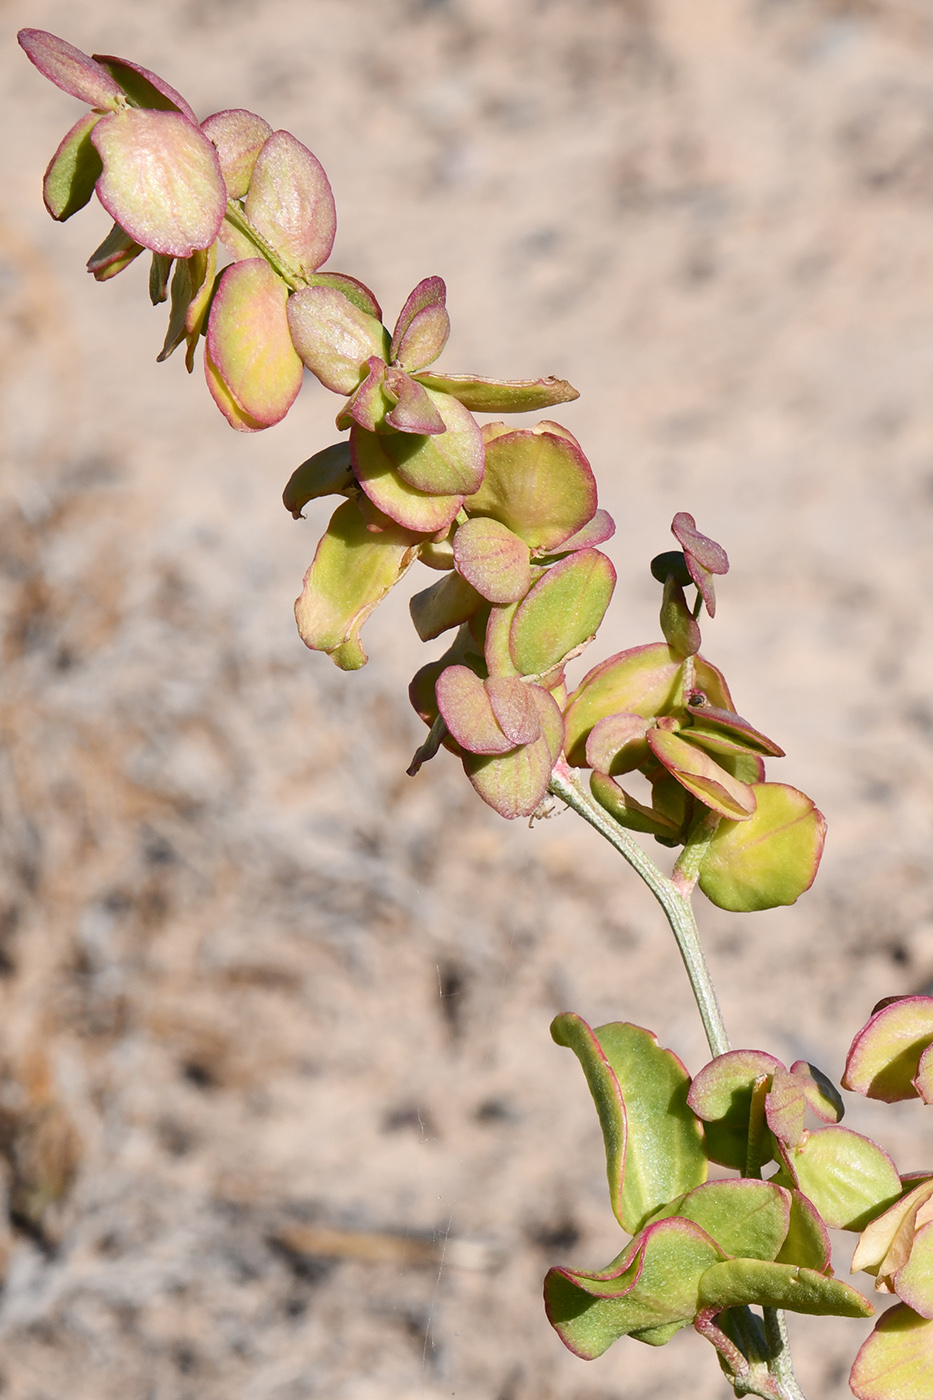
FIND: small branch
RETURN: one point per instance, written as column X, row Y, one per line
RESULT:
column 565, row 785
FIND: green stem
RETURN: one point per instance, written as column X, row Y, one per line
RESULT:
column 676, row 906
column 779, row 1381
column 241, row 223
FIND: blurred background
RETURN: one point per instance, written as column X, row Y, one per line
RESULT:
column 280, row 1116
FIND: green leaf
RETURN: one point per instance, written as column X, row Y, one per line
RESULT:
column 562, row 611
column 884, row 1057
column 352, row 572
column 73, row 171
column 748, row 1218
column 914, row 1282
column 327, row 473
column 738, row 1282
column 538, row 483
column 145, row 88
column 654, row 1145
column 896, row 1361
column 680, row 628
column 768, row 860
column 449, row 462
column 445, row 604
column 481, row 395
column 643, row 681
column 721, row 1094
column 847, row 1177
column 627, row 811
column 658, row 1289
column 807, row 1241
column 116, row 252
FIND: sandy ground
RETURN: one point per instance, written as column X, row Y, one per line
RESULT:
column 279, row 1111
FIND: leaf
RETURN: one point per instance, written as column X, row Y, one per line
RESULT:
column 449, row 463
column 914, row 1282
column 238, row 136
column 290, row 202
column 413, row 411
column 161, row 180
column 848, row 1177
column 704, row 557
column 493, row 560
column 786, row 1108
column 201, row 267
column 464, row 702
column 367, row 406
column 481, row 395
column 712, row 725
column 333, row 337
column 678, row 624
column 116, row 252
column 423, row 326
column 327, row 473
column 721, row 1094
column 617, row 744
column 73, row 171
column 768, row 860
column 538, row 483
column 747, row 1218
column 352, row 572
column 885, row 1242
column 643, row 681
column 660, row 1288
column 822, row 1095
column 181, row 300
column 515, row 784
column 896, row 1361
column 447, row 603
column 602, row 527
column 376, row 472
column 739, row 1282
column 562, row 611
column 700, row 775
column 69, row 69
column 807, row 1241
column 143, row 88
column 654, row 1145
column 627, row 811
column 513, row 704
column 884, row 1058
column 249, row 344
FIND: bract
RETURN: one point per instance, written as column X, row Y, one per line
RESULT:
column 73, row 171
column 116, row 252
column 768, row 859
column 562, row 611
column 412, row 410
column 654, row 1145
column 704, row 557
column 448, row 463
column 849, row 1178
column 600, row 528
column 538, row 483
column 721, row 1094
column 68, row 68
column 700, row 775
column 290, row 202
column 481, row 395
column 327, row 473
column 884, row 1058
column 352, row 572
column 896, row 1361
column 423, row 326
column 630, row 813
column 494, row 560
column 161, row 180
column 238, row 136
column 617, row 744
column 643, row 681
column 376, row 472
column 914, row 1281
column 447, row 603
column 465, row 704
column 333, row 338
column 249, row 347
column 515, row 783
column 886, row 1241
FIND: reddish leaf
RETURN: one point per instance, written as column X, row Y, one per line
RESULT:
column 249, row 345
column 333, row 337
column 884, row 1058
column 70, row 69
column 238, row 136
column 699, row 774
column 290, row 202
column 145, row 89
column 465, row 704
column 494, row 560
column 413, row 411
column 376, row 472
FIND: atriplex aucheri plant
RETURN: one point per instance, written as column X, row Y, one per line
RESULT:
column 508, row 521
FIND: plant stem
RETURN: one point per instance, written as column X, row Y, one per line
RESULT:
column 679, row 914
column 779, row 1382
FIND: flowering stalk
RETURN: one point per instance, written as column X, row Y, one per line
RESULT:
column 240, row 221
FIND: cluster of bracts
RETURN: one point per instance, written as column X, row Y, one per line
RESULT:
column 702, row 1251
column 239, row 220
